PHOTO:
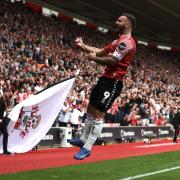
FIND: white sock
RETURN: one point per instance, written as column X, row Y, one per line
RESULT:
column 87, row 128
column 94, row 134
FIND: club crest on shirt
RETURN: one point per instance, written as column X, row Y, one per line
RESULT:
column 121, row 46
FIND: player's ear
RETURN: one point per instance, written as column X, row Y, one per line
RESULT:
column 128, row 24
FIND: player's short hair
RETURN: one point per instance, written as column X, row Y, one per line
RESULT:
column 131, row 18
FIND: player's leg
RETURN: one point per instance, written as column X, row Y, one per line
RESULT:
column 87, row 128
column 94, row 133
column 102, row 97
column 90, row 117
column 85, row 133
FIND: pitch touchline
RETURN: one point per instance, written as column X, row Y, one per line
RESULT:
column 156, row 145
column 152, row 173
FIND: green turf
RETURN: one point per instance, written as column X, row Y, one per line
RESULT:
column 108, row 170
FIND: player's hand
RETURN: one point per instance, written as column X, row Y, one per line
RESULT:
column 79, row 42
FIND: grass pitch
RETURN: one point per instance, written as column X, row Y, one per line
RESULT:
column 109, row 170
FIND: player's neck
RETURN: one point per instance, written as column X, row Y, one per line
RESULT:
column 126, row 32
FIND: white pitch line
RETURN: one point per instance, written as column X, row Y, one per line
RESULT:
column 152, row 173
column 156, row 145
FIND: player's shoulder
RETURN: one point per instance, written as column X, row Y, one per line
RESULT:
column 125, row 42
column 126, row 39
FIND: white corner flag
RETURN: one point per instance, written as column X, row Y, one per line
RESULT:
column 32, row 118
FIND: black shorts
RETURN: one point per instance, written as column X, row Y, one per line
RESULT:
column 105, row 92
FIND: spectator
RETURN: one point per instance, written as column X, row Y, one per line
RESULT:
column 3, row 125
column 64, row 115
column 34, row 56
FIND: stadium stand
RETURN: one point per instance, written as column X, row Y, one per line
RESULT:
column 37, row 51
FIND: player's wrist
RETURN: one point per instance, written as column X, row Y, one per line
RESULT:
column 83, row 46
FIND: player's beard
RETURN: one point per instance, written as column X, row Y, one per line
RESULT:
column 120, row 30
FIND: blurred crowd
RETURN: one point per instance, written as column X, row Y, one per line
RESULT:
column 38, row 51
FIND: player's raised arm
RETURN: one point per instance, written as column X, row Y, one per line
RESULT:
column 104, row 61
column 79, row 42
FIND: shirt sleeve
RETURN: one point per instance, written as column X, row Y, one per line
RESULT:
column 107, row 48
column 122, row 49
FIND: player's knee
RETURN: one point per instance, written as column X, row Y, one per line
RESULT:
column 97, row 128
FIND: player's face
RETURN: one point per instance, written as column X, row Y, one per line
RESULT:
column 121, row 24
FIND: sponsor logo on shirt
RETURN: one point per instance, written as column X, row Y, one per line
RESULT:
column 122, row 46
